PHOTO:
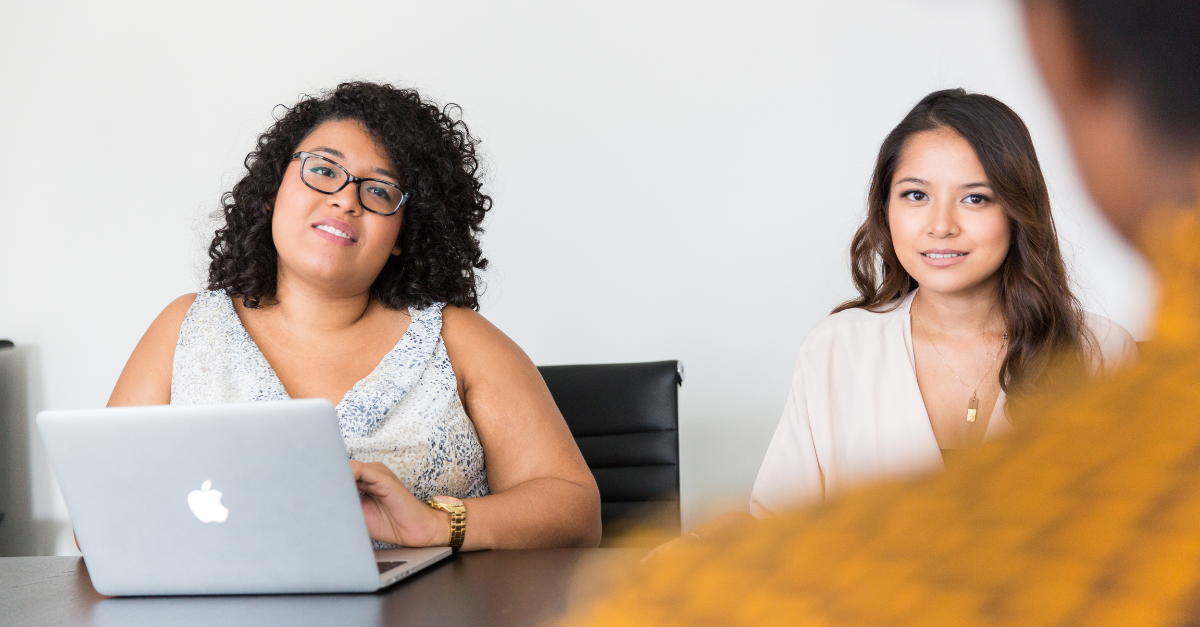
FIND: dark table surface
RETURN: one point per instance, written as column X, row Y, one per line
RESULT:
column 526, row 587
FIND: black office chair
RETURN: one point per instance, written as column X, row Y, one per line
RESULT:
column 625, row 419
column 5, row 344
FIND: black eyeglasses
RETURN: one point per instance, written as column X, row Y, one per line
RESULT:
column 328, row 177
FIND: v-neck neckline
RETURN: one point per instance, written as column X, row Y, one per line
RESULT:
column 993, row 427
column 354, row 389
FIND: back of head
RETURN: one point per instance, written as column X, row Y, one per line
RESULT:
column 1153, row 47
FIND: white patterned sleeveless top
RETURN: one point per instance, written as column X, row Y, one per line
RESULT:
column 406, row 413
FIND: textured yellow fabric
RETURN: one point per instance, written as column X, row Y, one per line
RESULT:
column 1089, row 516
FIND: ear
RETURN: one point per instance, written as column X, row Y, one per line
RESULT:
column 396, row 250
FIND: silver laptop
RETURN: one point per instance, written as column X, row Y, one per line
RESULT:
column 247, row 498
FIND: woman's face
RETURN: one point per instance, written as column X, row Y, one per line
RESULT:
column 329, row 240
column 949, row 231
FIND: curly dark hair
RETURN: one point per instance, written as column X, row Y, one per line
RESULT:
column 435, row 154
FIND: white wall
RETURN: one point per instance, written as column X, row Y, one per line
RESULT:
column 671, row 180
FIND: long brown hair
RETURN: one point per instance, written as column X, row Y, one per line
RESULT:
column 1044, row 320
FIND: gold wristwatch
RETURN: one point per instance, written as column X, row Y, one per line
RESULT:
column 458, row 517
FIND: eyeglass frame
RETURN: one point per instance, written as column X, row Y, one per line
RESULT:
column 350, row 178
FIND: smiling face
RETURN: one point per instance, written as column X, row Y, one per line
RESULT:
column 948, row 229
column 329, row 240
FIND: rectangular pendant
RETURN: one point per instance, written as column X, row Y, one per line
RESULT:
column 972, row 409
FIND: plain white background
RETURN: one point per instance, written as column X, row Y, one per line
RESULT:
column 672, row 180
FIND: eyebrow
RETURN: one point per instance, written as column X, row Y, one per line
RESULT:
column 913, row 179
column 337, row 153
column 388, row 173
column 332, row 151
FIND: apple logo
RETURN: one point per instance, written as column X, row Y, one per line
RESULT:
column 206, row 504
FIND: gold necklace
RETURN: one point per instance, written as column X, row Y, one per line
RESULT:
column 973, row 404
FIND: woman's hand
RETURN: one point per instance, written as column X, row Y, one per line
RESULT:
column 393, row 514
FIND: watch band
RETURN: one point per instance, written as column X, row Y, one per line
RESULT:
column 458, row 517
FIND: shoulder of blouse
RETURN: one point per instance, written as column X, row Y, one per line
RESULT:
column 857, row 318
column 1114, row 346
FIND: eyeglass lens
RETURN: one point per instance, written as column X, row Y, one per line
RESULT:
column 329, row 177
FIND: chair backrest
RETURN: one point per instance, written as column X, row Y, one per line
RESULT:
column 625, row 419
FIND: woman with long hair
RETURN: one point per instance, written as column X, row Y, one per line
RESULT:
column 963, row 299
column 346, row 269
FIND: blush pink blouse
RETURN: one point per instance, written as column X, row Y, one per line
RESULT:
column 855, row 414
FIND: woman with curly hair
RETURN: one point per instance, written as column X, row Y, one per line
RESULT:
column 346, row 270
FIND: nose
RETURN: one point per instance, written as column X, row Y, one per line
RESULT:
column 346, row 200
column 943, row 219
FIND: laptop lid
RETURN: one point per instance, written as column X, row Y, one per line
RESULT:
column 212, row 499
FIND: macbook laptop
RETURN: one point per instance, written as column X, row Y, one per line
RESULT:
column 247, row 498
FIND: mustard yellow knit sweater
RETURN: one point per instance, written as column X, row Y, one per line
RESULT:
column 1090, row 516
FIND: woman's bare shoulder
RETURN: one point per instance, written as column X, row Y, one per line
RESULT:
column 166, row 326
column 477, row 347
column 463, row 326
column 146, row 378
column 179, row 307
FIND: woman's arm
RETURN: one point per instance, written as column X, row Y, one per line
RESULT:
column 146, row 379
column 790, row 474
column 542, row 493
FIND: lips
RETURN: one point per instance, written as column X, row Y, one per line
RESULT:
column 335, row 231
column 941, row 258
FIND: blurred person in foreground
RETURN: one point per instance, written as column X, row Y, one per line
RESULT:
column 1091, row 515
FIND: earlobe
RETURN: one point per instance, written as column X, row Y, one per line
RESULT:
column 396, row 251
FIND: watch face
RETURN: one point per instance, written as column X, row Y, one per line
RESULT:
column 447, row 500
